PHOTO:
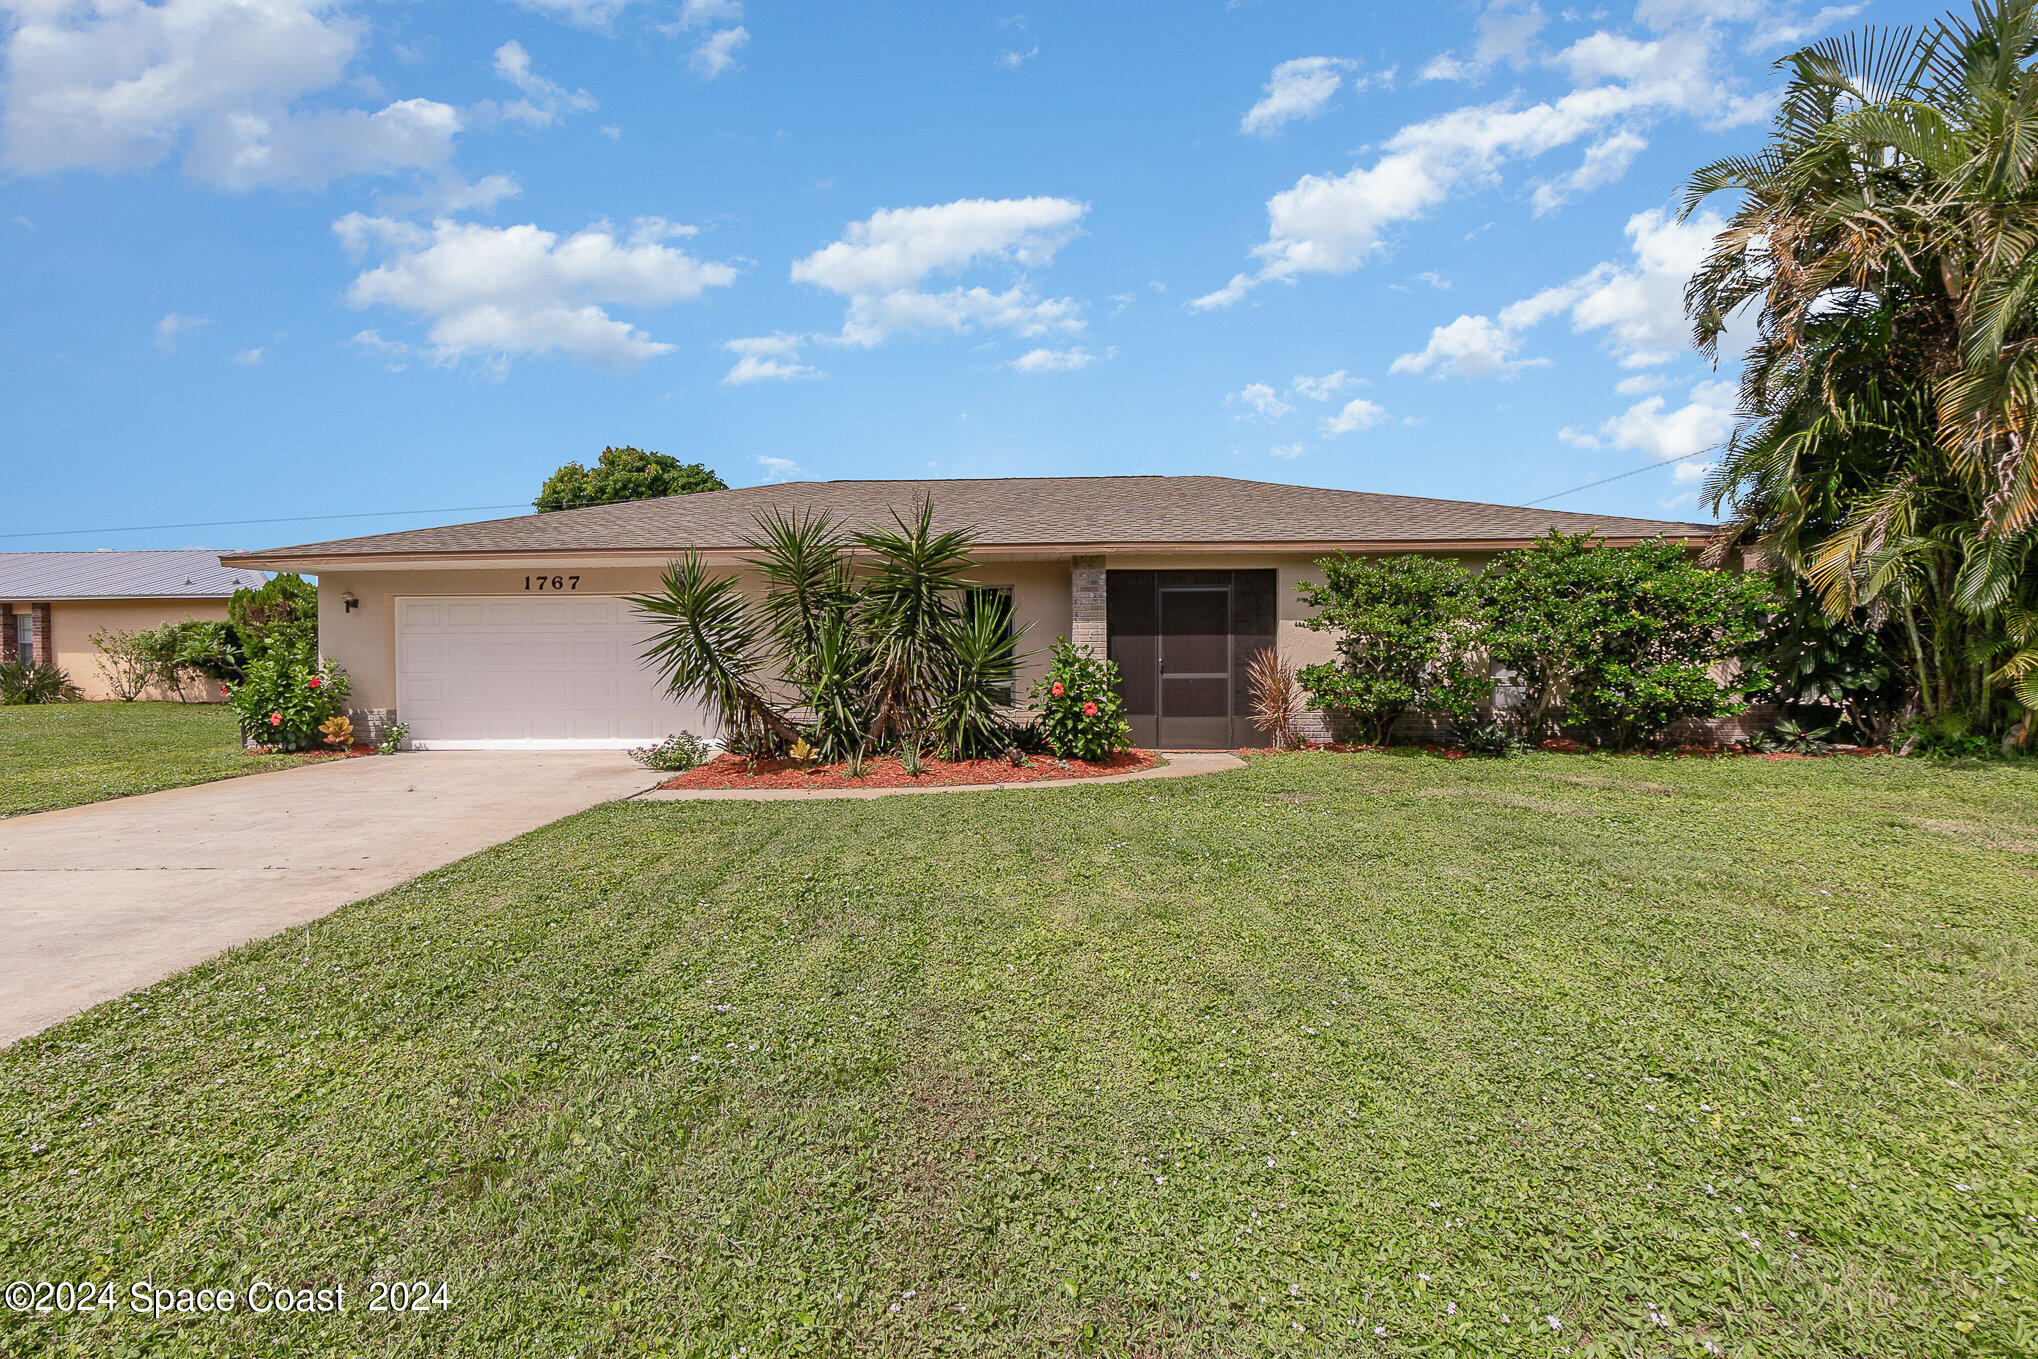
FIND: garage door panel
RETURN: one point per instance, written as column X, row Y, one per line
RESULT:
column 506, row 670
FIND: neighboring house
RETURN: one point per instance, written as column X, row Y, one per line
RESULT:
column 513, row 632
column 52, row 602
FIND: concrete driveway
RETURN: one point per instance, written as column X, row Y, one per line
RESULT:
column 96, row 901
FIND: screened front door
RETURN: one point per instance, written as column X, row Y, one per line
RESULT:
column 1182, row 641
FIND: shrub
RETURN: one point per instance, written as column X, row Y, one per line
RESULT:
column 1827, row 672
column 1407, row 629
column 680, row 751
column 1081, row 715
column 624, row 474
column 21, row 682
column 127, row 661
column 1276, row 702
column 1945, row 736
column 393, row 737
column 1622, row 640
column 283, row 704
column 279, row 620
column 1492, row 739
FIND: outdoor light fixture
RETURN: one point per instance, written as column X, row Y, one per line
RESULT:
column 348, row 601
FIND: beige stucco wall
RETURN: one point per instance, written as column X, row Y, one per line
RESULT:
column 72, row 623
column 363, row 641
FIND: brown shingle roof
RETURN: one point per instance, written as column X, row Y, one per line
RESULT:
column 1016, row 512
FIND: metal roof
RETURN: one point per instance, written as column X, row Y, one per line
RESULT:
column 31, row 577
column 1073, row 513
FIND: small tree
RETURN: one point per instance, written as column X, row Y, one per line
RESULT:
column 1407, row 630
column 277, row 621
column 1623, row 640
column 126, row 660
column 624, row 474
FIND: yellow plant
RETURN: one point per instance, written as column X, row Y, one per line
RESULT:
column 801, row 754
column 338, row 731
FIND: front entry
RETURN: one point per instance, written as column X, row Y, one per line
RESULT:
column 1182, row 641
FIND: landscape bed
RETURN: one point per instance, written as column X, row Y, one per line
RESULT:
column 1362, row 1054
column 733, row 771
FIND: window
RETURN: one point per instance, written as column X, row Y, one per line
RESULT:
column 998, row 600
column 24, row 638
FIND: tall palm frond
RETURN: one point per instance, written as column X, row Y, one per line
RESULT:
column 708, row 646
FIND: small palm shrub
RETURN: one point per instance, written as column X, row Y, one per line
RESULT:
column 21, row 682
column 680, row 751
column 1081, row 715
column 283, row 703
column 1276, row 701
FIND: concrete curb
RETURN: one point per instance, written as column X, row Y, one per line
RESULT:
column 1181, row 765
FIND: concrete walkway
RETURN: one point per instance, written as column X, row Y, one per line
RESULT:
column 96, row 901
column 1181, row 764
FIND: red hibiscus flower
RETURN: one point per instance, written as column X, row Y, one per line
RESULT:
column 1089, row 710
column 222, row 691
column 275, row 719
column 1056, row 690
column 314, row 682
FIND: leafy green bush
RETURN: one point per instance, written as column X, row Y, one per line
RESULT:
column 1407, row 631
column 279, row 619
column 126, row 662
column 1492, row 739
column 282, row 704
column 1623, row 641
column 1827, row 672
column 22, row 682
column 1081, row 714
column 680, row 751
column 1945, row 736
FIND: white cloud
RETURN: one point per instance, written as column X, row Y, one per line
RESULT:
column 879, row 262
column 1786, row 29
column 174, row 326
column 1469, row 347
column 1012, row 61
column 585, row 13
column 1606, row 160
column 544, row 101
column 452, row 192
column 1357, row 414
column 1334, row 223
column 1640, row 384
column 1507, row 33
column 776, row 469
column 1261, row 401
column 1301, row 88
column 715, row 55
column 1322, row 388
column 1054, row 360
column 495, row 293
column 1578, row 438
column 1640, row 304
column 766, row 358
column 1679, row 435
column 125, row 85
column 1444, row 66
column 1294, row 450
column 897, row 247
column 249, row 357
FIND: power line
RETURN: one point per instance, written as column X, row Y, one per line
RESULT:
column 1631, row 472
column 237, row 523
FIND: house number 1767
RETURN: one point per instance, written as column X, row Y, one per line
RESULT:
column 551, row 582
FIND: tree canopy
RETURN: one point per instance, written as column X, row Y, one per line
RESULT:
column 624, row 474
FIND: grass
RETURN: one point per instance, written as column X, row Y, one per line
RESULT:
column 64, row 754
column 1351, row 1053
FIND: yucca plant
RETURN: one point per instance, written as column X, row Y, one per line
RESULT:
column 1277, row 703
column 970, row 720
column 22, row 682
column 909, row 610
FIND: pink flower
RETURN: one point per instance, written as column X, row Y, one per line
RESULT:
column 1056, row 690
column 1089, row 710
column 275, row 719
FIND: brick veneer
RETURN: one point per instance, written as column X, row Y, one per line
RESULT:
column 45, row 654
column 7, row 626
column 1087, row 597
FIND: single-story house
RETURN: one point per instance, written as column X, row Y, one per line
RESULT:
column 514, row 633
column 51, row 603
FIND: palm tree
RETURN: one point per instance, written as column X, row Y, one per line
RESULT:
column 1886, row 243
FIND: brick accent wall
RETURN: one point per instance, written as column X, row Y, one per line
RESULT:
column 7, row 626
column 45, row 654
column 1086, row 587
column 372, row 724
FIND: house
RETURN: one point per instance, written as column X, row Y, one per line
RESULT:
column 514, row 633
column 52, row 602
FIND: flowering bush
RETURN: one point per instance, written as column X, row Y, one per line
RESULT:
column 681, row 751
column 282, row 703
column 1081, row 715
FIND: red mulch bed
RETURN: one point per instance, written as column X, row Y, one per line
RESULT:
column 353, row 752
column 730, row 771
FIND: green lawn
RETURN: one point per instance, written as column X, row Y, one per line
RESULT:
column 63, row 754
column 1348, row 1053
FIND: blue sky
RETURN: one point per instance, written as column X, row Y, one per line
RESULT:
column 286, row 257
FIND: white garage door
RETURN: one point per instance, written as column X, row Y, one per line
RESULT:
column 508, row 672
